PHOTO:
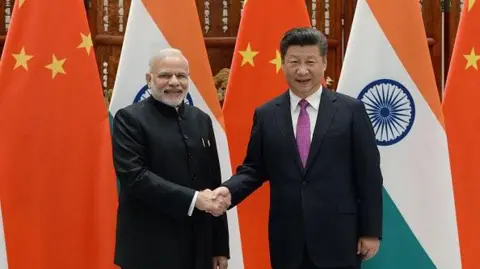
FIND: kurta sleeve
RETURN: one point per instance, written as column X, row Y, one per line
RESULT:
column 129, row 152
column 220, row 224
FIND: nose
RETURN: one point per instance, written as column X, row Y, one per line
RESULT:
column 302, row 70
column 173, row 81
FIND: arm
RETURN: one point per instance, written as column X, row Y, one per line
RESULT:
column 220, row 224
column 368, row 174
column 251, row 174
column 129, row 152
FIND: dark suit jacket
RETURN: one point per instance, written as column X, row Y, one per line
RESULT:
column 160, row 161
column 330, row 204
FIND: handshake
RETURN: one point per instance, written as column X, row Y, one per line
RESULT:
column 215, row 202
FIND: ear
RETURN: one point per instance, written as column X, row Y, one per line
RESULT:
column 148, row 78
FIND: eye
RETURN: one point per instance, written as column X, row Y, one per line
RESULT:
column 165, row 75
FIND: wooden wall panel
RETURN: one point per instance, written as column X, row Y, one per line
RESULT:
column 432, row 18
column 108, row 18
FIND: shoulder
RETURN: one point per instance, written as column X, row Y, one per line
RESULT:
column 272, row 103
column 346, row 101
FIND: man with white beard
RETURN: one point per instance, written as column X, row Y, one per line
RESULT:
column 166, row 160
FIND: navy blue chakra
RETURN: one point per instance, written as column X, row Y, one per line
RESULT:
column 391, row 109
column 144, row 93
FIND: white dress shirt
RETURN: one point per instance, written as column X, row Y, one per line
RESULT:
column 312, row 109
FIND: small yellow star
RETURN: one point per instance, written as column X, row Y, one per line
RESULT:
column 470, row 4
column 277, row 61
column 56, row 66
column 248, row 55
column 21, row 59
column 472, row 59
column 21, row 3
column 86, row 42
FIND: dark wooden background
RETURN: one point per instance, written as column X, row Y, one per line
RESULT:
column 220, row 20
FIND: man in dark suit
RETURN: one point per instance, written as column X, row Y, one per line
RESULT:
column 317, row 149
column 166, row 160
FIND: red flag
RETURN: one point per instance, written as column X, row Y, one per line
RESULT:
column 462, row 124
column 255, row 78
column 57, row 182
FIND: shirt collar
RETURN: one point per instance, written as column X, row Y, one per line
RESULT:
column 313, row 99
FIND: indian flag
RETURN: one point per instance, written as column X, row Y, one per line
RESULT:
column 154, row 25
column 387, row 66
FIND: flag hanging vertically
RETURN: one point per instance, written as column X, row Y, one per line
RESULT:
column 387, row 66
column 256, row 77
column 154, row 25
column 462, row 123
column 57, row 182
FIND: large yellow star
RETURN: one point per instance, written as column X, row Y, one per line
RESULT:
column 277, row 61
column 86, row 42
column 21, row 3
column 22, row 59
column 470, row 4
column 248, row 55
column 56, row 66
column 472, row 59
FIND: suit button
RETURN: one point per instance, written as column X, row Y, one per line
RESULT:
column 194, row 177
column 304, row 183
column 190, row 156
column 185, row 137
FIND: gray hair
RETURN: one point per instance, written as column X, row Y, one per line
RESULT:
column 164, row 53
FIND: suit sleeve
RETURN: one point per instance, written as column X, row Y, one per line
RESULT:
column 251, row 174
column 129, row 152
column 368, row 175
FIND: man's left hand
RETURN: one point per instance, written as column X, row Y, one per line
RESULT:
column 220, row 262
column 368, row 247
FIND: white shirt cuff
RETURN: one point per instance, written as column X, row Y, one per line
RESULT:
column 192, row 205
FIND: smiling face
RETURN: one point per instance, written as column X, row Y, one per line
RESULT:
column 303, row 67
column 168, row 79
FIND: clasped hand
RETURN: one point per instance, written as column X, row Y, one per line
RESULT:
column 215, row 202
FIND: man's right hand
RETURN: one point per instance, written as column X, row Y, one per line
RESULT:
column 213, row 202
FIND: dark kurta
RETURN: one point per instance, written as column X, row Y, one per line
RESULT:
column 161, row 157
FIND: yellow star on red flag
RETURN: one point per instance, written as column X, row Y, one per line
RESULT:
column 248, row 55
column 56, row 66
column 86, row 42
column 20, row 3
column 21, row 59
column 277, row 61
column 470, row 4
column 472, row 59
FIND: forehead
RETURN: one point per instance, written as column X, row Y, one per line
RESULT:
column 170, row 63
column 303, row 51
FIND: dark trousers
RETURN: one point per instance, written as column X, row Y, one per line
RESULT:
column 308, row 263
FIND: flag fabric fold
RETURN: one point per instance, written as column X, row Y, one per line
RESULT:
column 57, row 182
column 462, row 124
column 255, row 78
column 387, row 66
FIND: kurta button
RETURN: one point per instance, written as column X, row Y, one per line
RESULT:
column 304, row 183
column 185, row 137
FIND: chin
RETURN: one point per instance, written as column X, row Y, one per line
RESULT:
column 173, row 102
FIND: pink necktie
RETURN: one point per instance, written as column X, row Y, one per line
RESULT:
column 303, row 132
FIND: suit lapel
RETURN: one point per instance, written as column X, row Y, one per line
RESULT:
column 283, row 118
column 327, row 110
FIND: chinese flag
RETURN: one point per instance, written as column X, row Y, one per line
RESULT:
column 57, row 182
column 462, row 123
column 256, row 77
